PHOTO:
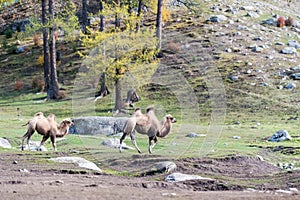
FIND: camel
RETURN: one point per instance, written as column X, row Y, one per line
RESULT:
column 47, row 127
column 147, row 124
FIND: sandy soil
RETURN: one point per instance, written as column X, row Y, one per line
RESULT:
column 23, row 178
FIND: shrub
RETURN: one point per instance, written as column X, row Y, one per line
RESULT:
column 38, row 84
column 62, row 94
column 289, row 21
column 173, row 47
column 40, row 60
column 36, row 40
column 11, row 49
column 5, row 43
column 280, row 22
column 19, row 85
column 8, row 33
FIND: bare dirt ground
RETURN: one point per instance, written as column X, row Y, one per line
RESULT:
column 23, row 178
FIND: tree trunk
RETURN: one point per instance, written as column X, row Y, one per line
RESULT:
column 139, row 14
column 53, row 87
column 117, row 19
column 159, row 23
column 118, row 100
column 102, row 25
column 84, row 16
column 45, row 46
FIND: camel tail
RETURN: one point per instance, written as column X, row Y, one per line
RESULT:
column 25, row 124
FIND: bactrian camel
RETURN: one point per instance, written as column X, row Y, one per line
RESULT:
column 47, row 127
column 147, row 124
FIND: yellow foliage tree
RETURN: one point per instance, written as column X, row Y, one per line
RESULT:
column 123, row 54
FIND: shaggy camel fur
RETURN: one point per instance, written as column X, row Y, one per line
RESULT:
column 147, row 124
column 47, row 127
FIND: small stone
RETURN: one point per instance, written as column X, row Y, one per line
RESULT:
column 236, row 137
column 15, row 162
column 24, row 170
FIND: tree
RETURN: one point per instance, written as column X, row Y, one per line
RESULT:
column 67, row 21
column 53, row 84
column 45, row 46
column 121, row 52
column 159, row 22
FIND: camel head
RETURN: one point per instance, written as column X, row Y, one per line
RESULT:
column 64, row 126
column 170, row 118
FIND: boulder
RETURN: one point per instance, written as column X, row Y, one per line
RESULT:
column 4, row 143
column 115, row 143
column 97, row 125
column 279, row 136
column 271, row 21
column 77, row 160
column 290, row 86
column 293, row 43
column 289, row 50
column 295, row 76
column 35, row 146
column 218, row 18
column 165, row 166
column 193, row 135
column 177, row 177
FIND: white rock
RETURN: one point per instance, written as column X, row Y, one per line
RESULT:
column 4, row 143
column 77, row 160
column 177, row 177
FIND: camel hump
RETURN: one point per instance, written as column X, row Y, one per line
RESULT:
column 137, row 109
column 149, row 109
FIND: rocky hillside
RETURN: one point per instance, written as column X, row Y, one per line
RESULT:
column 234, row 50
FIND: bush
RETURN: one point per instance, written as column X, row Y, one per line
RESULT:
column 38, row 84
column 40, row 60
column 8, row 33
column 280, row 22
column 19, row 85
column 11, row 49
column 36, row 40
column 62, row 94
column 173, row 47
column 289, row 21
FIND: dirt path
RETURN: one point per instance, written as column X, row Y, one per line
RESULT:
column 23, row 178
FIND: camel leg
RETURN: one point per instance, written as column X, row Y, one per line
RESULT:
column 151, row 146
column 45, row 137
column 23, row 138
column 121, row 141
column 134, row 143
column 53, row 140
column 27, row 136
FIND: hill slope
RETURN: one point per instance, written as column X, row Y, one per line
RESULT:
column 233, row 66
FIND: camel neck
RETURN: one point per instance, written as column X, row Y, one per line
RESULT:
column 165, row 129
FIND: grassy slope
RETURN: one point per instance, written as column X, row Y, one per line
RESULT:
column 245, row 103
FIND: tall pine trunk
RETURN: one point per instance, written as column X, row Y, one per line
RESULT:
column 53, row 87
column 45, row 46
column 102, row 25
column 140, row 4
column 118, row 85
column 117, row 17
column 159, row 23
column 118, row 100
column 84, row 16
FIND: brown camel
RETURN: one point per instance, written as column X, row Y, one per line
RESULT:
column 47, row 127
column 147, row 124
